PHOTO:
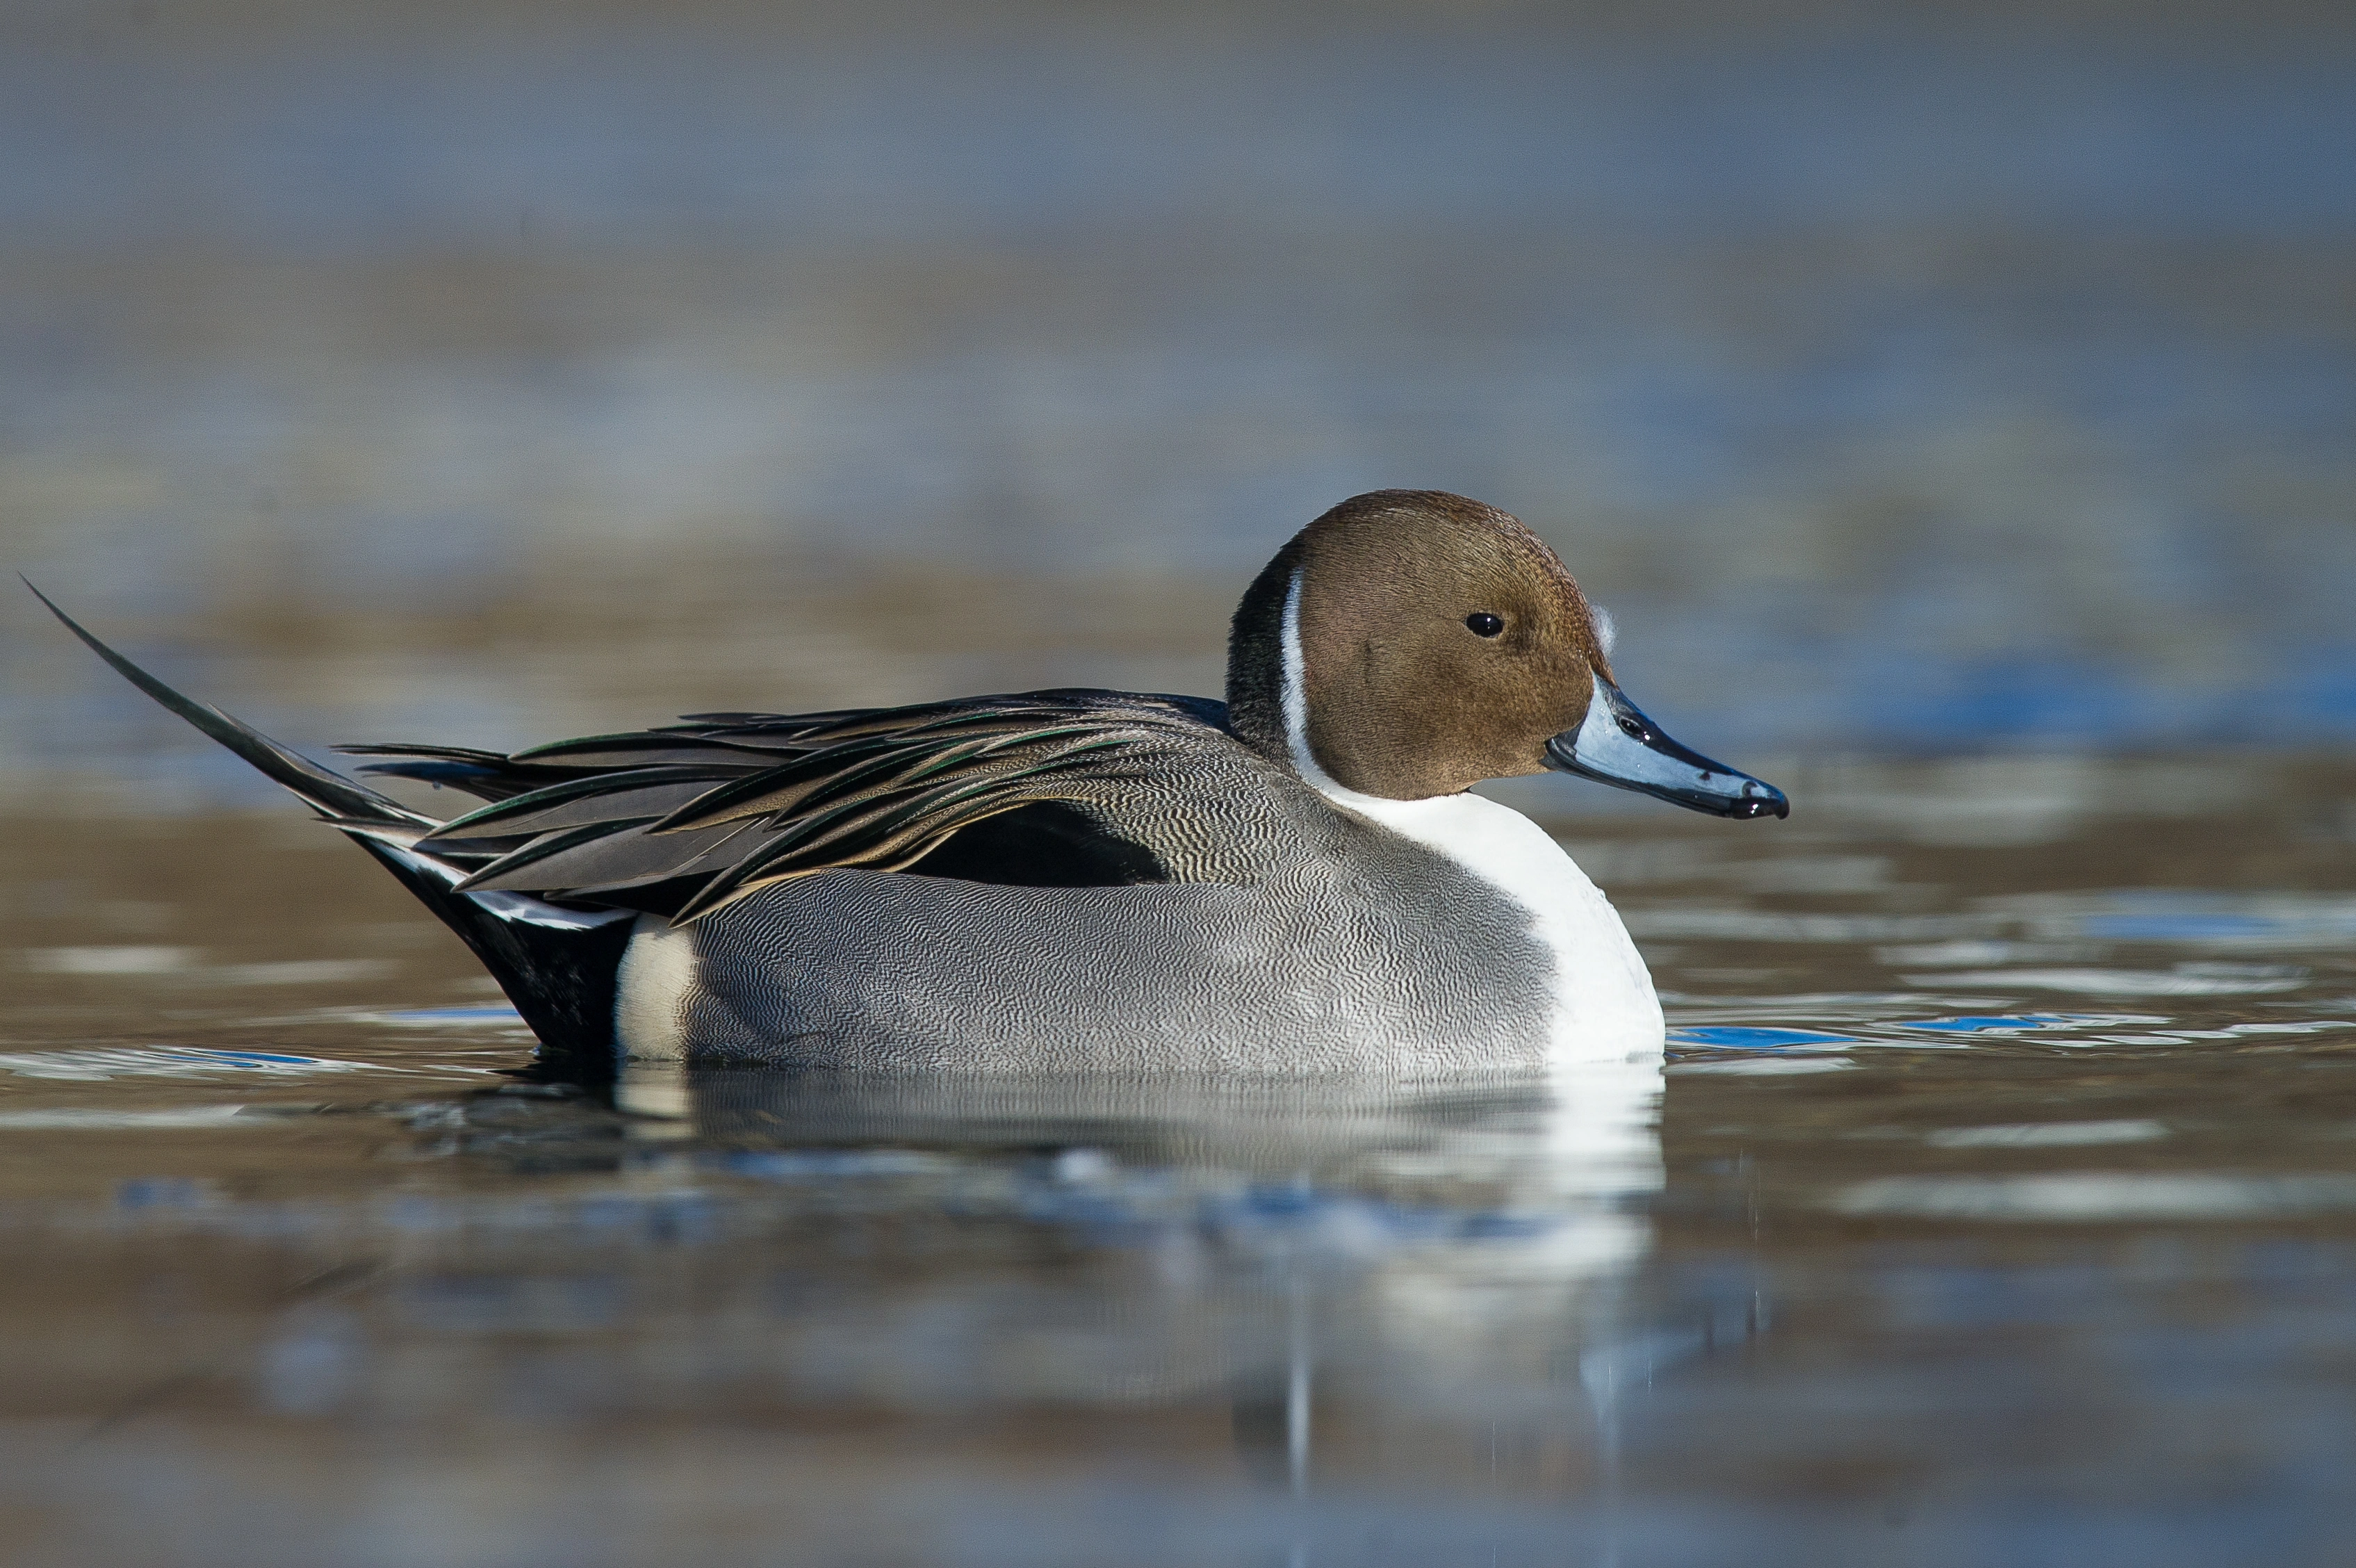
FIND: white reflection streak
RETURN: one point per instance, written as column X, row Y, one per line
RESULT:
column 1600, row 1147
column 1480, row 1311
column 1297, row 1410
column 1603, row 1142
column 655, row 1095
column 1296, row 1393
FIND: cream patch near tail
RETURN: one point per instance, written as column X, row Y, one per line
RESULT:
column 651, row 989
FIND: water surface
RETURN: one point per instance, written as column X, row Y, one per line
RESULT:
column 1996, row 1205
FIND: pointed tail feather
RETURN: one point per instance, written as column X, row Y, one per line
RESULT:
column 329, row 794
column 557, row 965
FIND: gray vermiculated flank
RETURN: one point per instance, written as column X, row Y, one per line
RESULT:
column 884, row 971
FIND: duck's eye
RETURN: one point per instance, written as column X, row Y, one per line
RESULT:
column 1483, row 623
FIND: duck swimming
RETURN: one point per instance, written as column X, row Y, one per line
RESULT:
column 1294, row 881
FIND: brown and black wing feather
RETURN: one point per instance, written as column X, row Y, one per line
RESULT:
column 686, row 819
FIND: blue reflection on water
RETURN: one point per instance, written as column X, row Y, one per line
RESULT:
column 161, row 1192
column 2283, row 919
column 1734, row 1036
column 498, row 1013
column 254, row 1058
column 1994, row 1023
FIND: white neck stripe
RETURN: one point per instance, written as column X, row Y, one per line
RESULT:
column 1296, row 704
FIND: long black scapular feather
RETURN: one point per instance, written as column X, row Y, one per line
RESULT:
column 545, row 846
column 464, row 777
column 814, row 767
column 628, row 859
column 507, row 814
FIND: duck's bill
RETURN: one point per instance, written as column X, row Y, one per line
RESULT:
column 1619, row 746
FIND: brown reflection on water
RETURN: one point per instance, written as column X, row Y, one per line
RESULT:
column 2022, row 1215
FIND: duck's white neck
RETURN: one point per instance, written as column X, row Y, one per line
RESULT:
column 1604, row 1004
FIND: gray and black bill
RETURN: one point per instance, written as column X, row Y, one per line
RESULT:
column 1618, row 745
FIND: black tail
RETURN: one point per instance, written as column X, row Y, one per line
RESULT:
column 557, row 965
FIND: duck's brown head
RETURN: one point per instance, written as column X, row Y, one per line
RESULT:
column 1410, row 643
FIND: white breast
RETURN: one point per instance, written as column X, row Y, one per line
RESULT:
column 1604, row 1006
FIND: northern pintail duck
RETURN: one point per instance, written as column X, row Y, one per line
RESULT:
column 1293, row 881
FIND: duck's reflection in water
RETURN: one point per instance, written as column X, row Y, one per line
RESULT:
column 1386, row 1283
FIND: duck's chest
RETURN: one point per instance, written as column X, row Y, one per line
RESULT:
column 1602, row 995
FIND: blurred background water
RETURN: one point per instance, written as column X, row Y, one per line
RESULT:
column 1954, row 406
column 1970, row 376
